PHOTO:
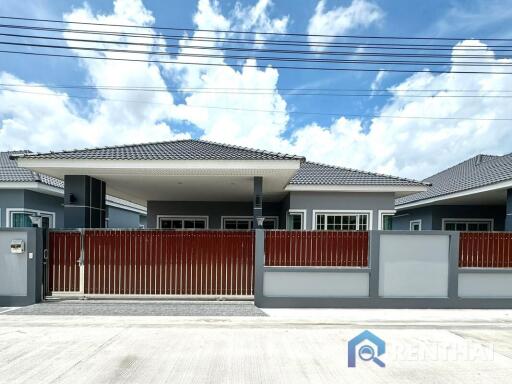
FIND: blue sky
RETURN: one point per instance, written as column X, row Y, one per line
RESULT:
column 406, row 147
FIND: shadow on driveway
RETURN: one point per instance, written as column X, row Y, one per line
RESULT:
column 140, row 308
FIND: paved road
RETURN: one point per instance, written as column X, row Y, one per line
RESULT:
column 287, row 346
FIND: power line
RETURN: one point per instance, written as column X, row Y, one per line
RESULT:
column 241, row 49
column 339, row 114
column 235, row 91
column 255, row 89
column 250, row 32
column 394, row 46
column 472, row 72
column 265, row 58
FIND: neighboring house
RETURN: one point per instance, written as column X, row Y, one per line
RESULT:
column 195, row 184
column 475, row 195
column 24, row 193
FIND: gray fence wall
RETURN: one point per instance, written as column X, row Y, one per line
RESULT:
column 406, row 270
column 21, row 274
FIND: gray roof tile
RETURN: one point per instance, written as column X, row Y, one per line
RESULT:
column 478, row 171
column 309, row 173
column 10, row 172
column 323, row 174
column 169, row 150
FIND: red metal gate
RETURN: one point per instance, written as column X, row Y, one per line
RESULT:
column 63, row 268
column 156, row 262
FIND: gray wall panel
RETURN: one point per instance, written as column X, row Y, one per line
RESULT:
column 120, row 218
column 432, row 216
column 49, row 203
column 9, row 198
column 353, row 201
column 214, row 210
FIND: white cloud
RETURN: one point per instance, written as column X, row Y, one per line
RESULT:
column 377, row 82
column 407, row 147
column 414, row 147
column 359, row 14
column 52, row 122
column 231, row 125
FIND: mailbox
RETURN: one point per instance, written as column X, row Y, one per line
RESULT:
column 17, row 246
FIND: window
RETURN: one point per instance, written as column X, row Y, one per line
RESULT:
column 342, row 221
column 296, row 219
column 183, row 222
column 246, row 222
column 415, row 225
column 386, row 220
column 468, row 225
column 20, row 218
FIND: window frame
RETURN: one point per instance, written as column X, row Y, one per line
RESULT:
column 485, row 220
column 382, row 213
column 302, row 213
column 338, row 212
column 245, row 218
column 159, row 219
column 413, row 222
column 9, row 215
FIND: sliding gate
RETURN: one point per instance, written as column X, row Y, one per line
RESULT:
column 151, row 262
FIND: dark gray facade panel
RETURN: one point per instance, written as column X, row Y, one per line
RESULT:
column 213, row 209
column 120, row 218
column 432, row 216
column 348, row 201
column 85, row 199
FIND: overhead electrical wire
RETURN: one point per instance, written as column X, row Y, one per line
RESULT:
column 448, row 47
column 264, row 58
column 282, row 92
column 248, row 32
column 247, row 65
column 255, row 49
column 339, row 114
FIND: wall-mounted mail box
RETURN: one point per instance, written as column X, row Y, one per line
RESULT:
column 17, row 246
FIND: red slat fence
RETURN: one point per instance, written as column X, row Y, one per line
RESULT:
column 485, row 250
column 159, row 262
column 316, row 248
column 63, row 268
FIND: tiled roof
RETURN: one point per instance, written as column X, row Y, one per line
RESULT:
column 168, row 150
column 10, row 172
column 322, row 174
column 478, row 171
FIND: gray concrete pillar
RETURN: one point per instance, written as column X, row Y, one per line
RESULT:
column 259, row 265
column 84, row 202
column 508, row 218
column 257, row 201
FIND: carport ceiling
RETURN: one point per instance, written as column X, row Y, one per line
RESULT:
column 192, row 188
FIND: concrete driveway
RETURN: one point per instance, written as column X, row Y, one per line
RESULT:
column 230, row 342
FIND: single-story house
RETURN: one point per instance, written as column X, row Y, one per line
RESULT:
column 25, row 194
column 475, row 195
column 200, row 184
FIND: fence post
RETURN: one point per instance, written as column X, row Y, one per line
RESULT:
column 373, row 255
column 81, row 262
column 259, row 264
column 453, row 266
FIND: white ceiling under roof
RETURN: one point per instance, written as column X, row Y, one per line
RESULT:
column 190, row 180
